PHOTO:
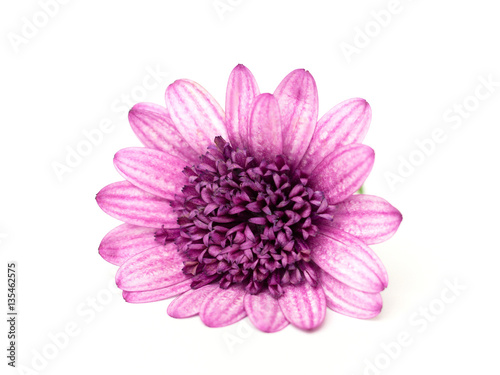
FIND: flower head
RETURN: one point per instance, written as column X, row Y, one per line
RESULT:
column 249, row 212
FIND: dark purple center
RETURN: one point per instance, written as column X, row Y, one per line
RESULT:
column 247, row 223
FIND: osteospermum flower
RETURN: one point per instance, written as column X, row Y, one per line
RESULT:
column 251, row 211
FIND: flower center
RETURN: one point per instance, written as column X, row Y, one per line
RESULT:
column 245, row 222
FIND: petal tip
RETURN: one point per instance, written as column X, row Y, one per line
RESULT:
column 132, row 113
column 100, row 196
column 240, row 67
column 174, row 313
column 118, row 280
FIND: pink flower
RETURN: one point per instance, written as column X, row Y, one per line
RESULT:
column 249, row 212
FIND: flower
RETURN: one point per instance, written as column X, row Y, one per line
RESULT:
column 249, row 212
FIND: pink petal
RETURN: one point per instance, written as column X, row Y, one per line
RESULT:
column 223, row 307
column 349, row 260
column 241, row 90
column 298, row 100
column 344, row 124
column 369, row 218
column 155, row 268
column 125, row 241
column 153, row 126
column 195, row 114
column 153, row 171
column 343, row 172
column 125, row 202
column 264, row 312
column 189, row 303
column 157, row 294
column 303, row 305
column 348, row 301
column 264, row 133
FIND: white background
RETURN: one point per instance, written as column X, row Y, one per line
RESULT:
column 73, row 74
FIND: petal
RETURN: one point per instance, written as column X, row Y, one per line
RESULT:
column 343, row 172
column 303, row 305
column 349, row 260
column 241, row 90
column 155, row 268
column 344, row 124
column 153, row 171
column 157, row 294
column 298, row 100
column 125, row 202
column 264, row 129
column 223, row 307
column 348, row 301
column 369, row 218
column 153, row 126
column 189, row 303
column 195, row 114
column 125, row 241
column 264, row 312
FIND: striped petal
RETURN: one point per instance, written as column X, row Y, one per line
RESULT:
column 153, row 171
column 369, row 218
column 223, row 307
column 264, row 133
column 298, row 100
column 189, row 303
column 343, row 172
column 152, row 269
column 127, row 203
column 349, row 260
column 195, row 114
column 241, row 91
column 125, row 241
column 157, row 294
column 264, row 312
column 153, row 126
column 303, row 305
column 344, row 124
column 348, row 301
